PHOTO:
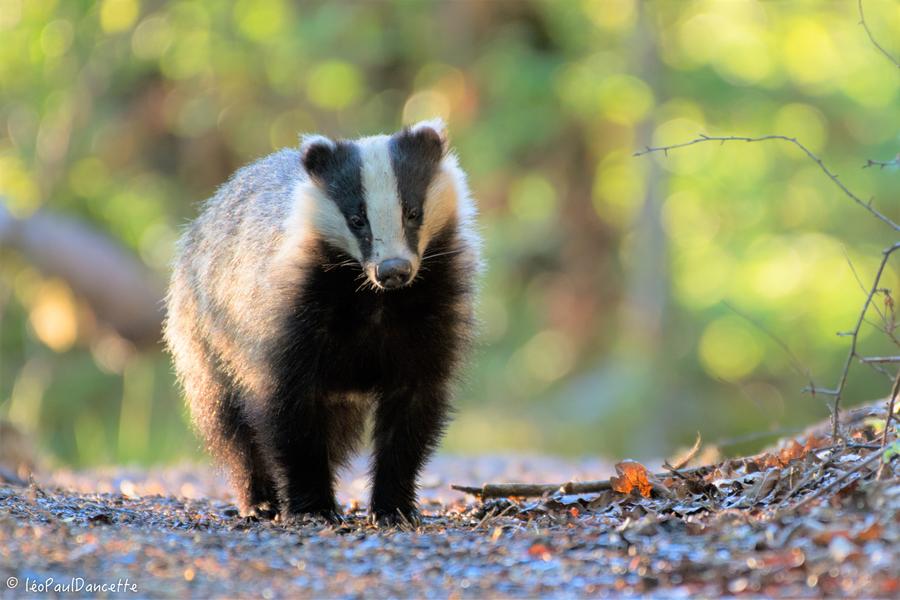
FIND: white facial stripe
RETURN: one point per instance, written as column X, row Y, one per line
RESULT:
column 383, row 207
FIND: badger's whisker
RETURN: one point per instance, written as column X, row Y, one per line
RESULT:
column 436, row 254
column 345, row 263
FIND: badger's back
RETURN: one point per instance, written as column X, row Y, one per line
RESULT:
column 223, row 303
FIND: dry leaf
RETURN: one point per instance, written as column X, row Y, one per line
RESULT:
column 814, row 442
column 870, row 533
column 765, row 485
column 631, row 475
column 791, row 452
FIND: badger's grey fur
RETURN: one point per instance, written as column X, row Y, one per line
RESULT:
column 320, row 284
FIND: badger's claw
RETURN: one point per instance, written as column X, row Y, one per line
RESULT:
column 299, row 517
column 262, row 512
column 397, row 518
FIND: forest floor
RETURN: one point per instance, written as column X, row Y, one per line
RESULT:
column 805, row 519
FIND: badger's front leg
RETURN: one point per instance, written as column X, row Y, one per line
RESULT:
column 408, row 426
column 294, row 437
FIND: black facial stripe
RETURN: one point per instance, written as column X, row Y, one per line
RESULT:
column 339, row 174
column 414, row 158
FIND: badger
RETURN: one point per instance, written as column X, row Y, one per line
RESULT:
column 319, row 286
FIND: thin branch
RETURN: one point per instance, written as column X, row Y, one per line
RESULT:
column 854, row 337
column 887, row 424
column 733, row 138
column 862, row 21
column 795, row 362
column 880, row 359
column 881, row 164
column 531, row 490
column 859, row 282
column 837, row 482
column 856, row 276
column 881, row 370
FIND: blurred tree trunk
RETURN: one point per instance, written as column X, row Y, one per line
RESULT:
column 647, row 286
column 120, row 289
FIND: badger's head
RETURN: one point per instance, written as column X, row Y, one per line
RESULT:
column 382, row 199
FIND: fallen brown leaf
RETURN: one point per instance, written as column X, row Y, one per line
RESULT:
column 631, row 475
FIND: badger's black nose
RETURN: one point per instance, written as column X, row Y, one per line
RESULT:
column 393, row 272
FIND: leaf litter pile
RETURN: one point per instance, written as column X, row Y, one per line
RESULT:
column 804, row 519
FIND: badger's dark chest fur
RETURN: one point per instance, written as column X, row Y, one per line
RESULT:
column 347, row 339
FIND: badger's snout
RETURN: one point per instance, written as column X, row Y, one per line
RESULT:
column 393, row 273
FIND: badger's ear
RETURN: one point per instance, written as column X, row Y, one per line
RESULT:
column 316, row 153
column 430, row 137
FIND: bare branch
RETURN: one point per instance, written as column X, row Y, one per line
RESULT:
column 823, row 391
column 854, row 337
column 862, row 21
column 881, row 164
column 795, row 362
column 734, row 138
column 880, row 359
column 530, row 490
column 887, row 423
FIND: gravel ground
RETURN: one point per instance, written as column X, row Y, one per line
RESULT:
column 746, row 527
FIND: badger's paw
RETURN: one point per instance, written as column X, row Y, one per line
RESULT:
column 305, row 514
column 408, row 518
column 263, row 511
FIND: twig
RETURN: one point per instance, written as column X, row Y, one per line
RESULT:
column 530, row 490
column 687, row 457
column 526, row 490
column 862, row 21
column 895, row 162
column 795, row 362
column 493, row 514
column 859, row 282
column 834, row 484
column 809, row 477
column 879, row 359
column 887, row 424
column 734, row 138
column 854, row 338
column 674, row 470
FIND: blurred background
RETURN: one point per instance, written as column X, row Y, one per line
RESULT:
column 606, row 320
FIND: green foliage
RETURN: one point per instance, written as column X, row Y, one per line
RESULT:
column 605, row 327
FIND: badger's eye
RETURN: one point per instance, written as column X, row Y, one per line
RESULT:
column 357, row 221
column 412, row 214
